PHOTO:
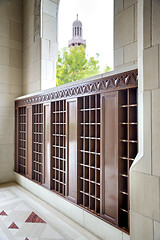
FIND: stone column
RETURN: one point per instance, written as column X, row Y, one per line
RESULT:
column 145, row 172
column 49, row 48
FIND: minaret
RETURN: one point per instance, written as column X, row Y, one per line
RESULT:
column 76, row 34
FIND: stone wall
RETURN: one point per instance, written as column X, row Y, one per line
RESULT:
column 145, row 173
column 10, row 80
column 125, row 33
column 40, row 52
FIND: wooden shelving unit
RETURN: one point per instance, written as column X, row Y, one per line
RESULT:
column 89, row 152
column 80, row 141
column 127, row 149
column 22, row 141
column 58, row 166
column 38, row 162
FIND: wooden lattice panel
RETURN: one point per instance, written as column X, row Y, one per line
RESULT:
column 89, row 152
column 22, row 141
column 38, row 163
column 128, row 147
column 58, row 168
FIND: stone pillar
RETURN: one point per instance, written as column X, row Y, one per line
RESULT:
column 49, row 48
column 145, row 172
column 10, row 81
column 40, row 50
column 125, row 33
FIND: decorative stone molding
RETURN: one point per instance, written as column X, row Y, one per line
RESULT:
column 37, row 19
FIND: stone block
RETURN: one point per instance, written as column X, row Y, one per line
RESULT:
column 50, row 8
column 124, row 29
column 4, row 53
column 49, row 27
column 101, row 229
column 151, row 68
column 147, row 23
column 130, row 52
column 15, row 12
column 118, row 6
column 155, row 22
column 128, row 3
column 15, row 31
column 118, row 57
column 155, row 132
column 15, row 58
column 45, row 49
column 156, row 230
column 141, row 227
column 145, row 195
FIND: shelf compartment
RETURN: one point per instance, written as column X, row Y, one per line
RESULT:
column 38, row 163
column 89, row 152
column 58, row 151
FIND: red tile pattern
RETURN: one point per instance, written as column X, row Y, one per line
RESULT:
column 13, row 226
column 3, row 213
column 34, row 218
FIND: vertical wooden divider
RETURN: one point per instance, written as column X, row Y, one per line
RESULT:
column 109, row 157
column 16, row 140
column 47, row 147
column 29, row 142
column 71, row 185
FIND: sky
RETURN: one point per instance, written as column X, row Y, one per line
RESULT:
column 97, row 22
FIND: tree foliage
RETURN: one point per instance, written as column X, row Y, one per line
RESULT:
column 73, row 65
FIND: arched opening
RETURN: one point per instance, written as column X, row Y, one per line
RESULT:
column 99, row 41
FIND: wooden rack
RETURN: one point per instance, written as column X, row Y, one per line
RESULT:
column 38, row 162
column 22, row 141
column 127, row 148
column 80, row 142
column 58, row 174
column 89, row 152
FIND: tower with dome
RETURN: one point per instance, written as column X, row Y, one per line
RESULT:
column 77, row 39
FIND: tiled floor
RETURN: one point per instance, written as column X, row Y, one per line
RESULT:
column 25, row 217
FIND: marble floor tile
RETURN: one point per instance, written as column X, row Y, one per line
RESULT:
column 23, row 216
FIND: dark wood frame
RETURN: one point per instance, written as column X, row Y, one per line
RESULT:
column 56, row 177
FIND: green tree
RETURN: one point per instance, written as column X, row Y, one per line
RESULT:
column 73, row 65
column 107, row 69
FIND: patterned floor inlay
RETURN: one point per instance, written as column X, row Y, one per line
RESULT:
column 24, row 217
column 3, row 213
column 13, row 226
column 34, row 218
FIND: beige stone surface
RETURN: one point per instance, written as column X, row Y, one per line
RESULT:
column 118, row 6
column 118, row 57
column 130, row 52
column 147, row 25
column 145, row 191
column 124, row 28
column 155, row 132
column 156, row 230
column 45, row 50
column 156, row 22
column 50, row 8
column 102, row 230
column 128, row 3
column 141, row 227
column 15, row 31
column 143, row 162
column 151, row 68
column 125, row 236
column 4, row 27
column 4, row 53
column 49, row 27
column 15, row 58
